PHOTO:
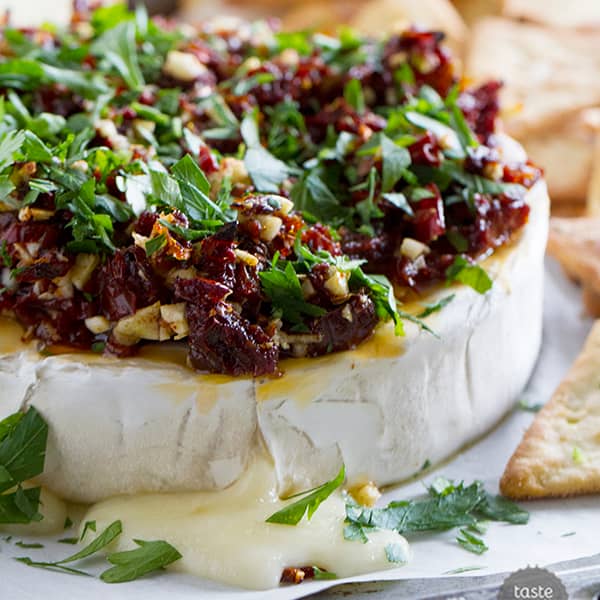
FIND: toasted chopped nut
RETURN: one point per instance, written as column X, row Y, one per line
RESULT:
column 27, row 213
column 174, row 316
column 292, row 575
column 308, row 289
column 347, row 313
column 493, row 171
column 246, row 257
column 366, row 494
column 189, row 273
column 80, row 165
column 82, row 269
column 64, row 287
column 251, row 64
column 97, row 324
column 183, row 66
column 144, row 324
column 141, row 126
column 270, row 227
column 290, row 57
column 337, row 286
column 139, row 240
column 108, row 130
column 413, row 248
column 286, row 206
column 233, row 169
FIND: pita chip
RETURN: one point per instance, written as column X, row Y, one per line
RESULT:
column 560, row 453
column 548, row 73
column 584, row 14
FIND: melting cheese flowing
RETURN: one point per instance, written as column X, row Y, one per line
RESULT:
column 223, row 535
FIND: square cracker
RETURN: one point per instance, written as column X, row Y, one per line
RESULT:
column 548, row 73
column 560, row 453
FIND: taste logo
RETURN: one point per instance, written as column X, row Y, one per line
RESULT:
column 533, row 583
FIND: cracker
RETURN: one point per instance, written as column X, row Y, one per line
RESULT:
column 382, row 16
column 575, row 243
column 560, row 453
column 582, row 14
column 548, row 73
column 565, row 152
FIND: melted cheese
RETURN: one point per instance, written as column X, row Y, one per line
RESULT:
column 223, row 535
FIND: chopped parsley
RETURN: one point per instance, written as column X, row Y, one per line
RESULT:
column 308, row 504
column 448, row 505
column 470, row 274
column 23, row 439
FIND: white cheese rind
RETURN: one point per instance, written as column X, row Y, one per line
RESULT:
column 135, row 425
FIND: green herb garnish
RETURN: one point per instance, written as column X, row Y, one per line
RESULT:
column 308, row 504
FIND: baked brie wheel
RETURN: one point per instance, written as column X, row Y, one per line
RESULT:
column 384, row 409
column 238, row 265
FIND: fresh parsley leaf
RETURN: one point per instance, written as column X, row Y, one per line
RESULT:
column 449, row 505
column 321, row 575
column 105, row 538
column 294, row 513
column 283, row 289
column 113, row 531
column 395, row 553
column 399, row 201
column 133, row 564
column 354, row 96
column 312, row 196
column 395, row 162
column 33, row 546
column 23, row 449
column 118, row 47
column 153, row 245
column 10, row 144
column 89, row 526
column 382, row 294
column 20, row 506
column 470, row 274
column 460, row 570
column 471, row 542
column 525, row 405
column 433, row 308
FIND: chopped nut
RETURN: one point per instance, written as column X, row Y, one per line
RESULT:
column 174, row 316
column 183, row 66
column 27, row 213
column 246, row 257
column 97, row 324
column 290, row 57
column 367, row 494
column 413, row 248
column 292, row 575
column 82, row 269
column 189, row 273
column 80, row 165
column 143, row 325
column 270, row 227
column 337, row 286
column 308, row 289
column 493, row 171
column 108, row 130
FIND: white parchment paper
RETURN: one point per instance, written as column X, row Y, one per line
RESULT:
column 558, row 529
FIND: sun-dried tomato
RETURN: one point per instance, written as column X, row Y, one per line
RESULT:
column 220, row 339
column 127, row 283
column 344, row 327
column 429, row 220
